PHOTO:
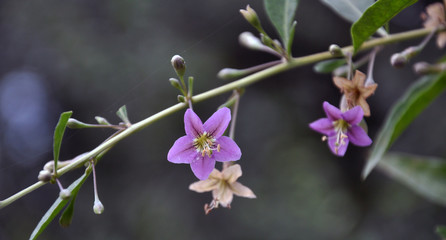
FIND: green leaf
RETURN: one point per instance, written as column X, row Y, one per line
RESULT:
column 328, row 66
column 58, row 205
column 122, row 114
column 404, row 111
column 350, row 10
column 58, row 135
column 67, row 215
column 441, row 231
column 281, row 13
column 374, row 18
column 425, row 175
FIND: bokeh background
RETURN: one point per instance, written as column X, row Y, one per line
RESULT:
column 94, row 56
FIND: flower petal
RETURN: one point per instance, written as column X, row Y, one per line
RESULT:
column 343, row 84
column 224, row 195
column 337, row 150
column 229, row 151
column 242, row 190
column 324, row 126
column 353, row 116
column 182, row 151
column 358, row 136
column 202, row 166
column 332, row 112
column 232, row 173
column 364, row 105
column 192, row 124
column 359, row 79
column 204, row 185
column 218, row 122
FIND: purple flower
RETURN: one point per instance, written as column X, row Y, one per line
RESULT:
column 341, row 128
column 204, row 143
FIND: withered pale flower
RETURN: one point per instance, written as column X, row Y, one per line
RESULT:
column 434, row 18
column 223, row 186
column 356, row 91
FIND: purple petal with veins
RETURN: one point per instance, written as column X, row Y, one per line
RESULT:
column 229, row 151
column 354, row 115
column 218, row 122
column 192, row 124
column 202, row 166
column 324, row 126
column 358, row 136
column 182, row 150
column 332, row 112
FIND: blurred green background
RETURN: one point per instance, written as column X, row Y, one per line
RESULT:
column 94, row 56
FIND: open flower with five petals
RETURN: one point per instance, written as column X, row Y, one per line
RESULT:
column 204, row 144
column 223, row 186
column 340, row 128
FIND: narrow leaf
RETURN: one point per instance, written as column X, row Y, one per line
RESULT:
column 281, row 13
column 58, row 205
column 350, row 10
column 58, row 135
column 374, row 18
column 122, row 114
column 404, row 111
column 67, row 215
column 328, row 66
column 441, row 231
column 425, row 175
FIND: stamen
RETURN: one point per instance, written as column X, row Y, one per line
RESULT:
column 324, row 138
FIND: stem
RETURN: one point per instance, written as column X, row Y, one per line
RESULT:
column 293, row 63
column 233, row 122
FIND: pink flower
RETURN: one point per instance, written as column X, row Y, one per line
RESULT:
column 341, row 128
column 204, row 143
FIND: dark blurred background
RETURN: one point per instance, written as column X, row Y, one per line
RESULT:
column 94, row 56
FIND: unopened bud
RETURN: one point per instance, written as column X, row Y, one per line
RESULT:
column 179, row 65
column 251, row 16
column 335, row 50
column 98, row 208
column 250, row 41
column 426, row 68
column 102, row 120
column 73, row 124
column 44, row 176
column 181, row 99
column 175, row 83
column 398, row 60
column 65, row 194
column 230, row 73
column 422, row 68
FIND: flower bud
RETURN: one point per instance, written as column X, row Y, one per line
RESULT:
column 230, row 73
column 251, row 16
column 335, row 50
column 98, row 208
column 179, row 65
column 422, row 68
column 102, row 120
column 250, row 41
column 181, row 99
column 175, row 83
column 44, row 176
column 65, row 194
column 74, row 124
column 398, row 60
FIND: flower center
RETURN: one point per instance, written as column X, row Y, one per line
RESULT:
column 341, row 128
column 205, row 144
